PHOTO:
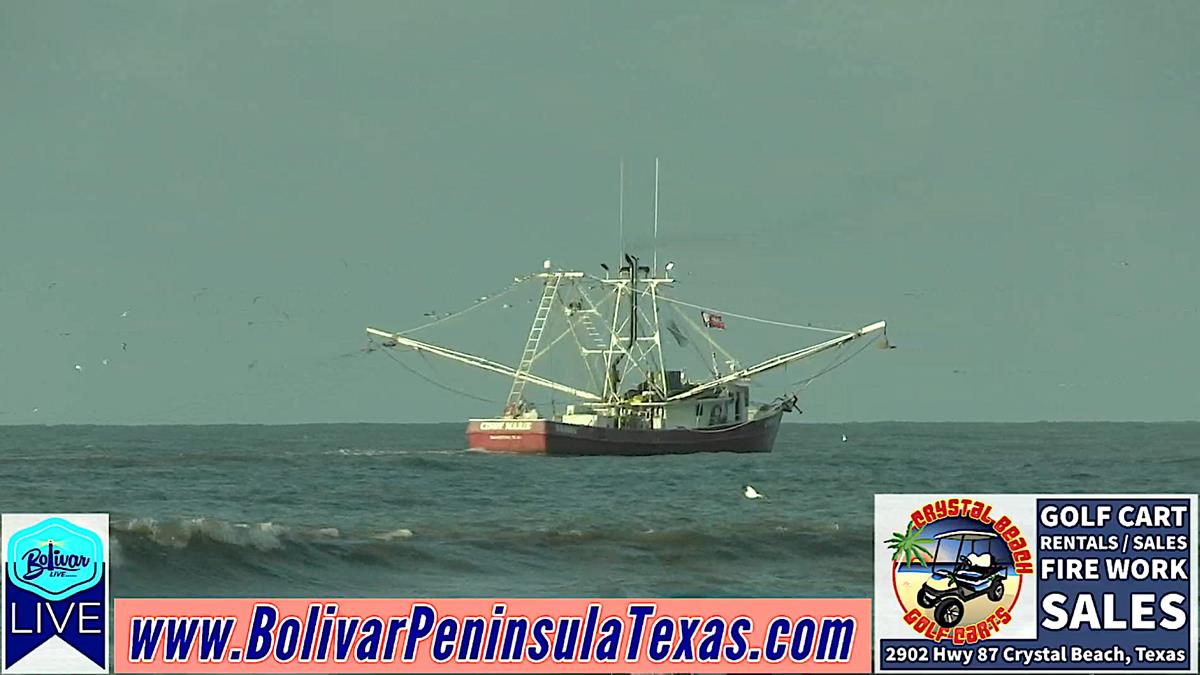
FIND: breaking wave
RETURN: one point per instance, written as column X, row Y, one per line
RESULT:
column 279, row 550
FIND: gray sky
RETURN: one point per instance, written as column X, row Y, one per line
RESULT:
column 1013, row 186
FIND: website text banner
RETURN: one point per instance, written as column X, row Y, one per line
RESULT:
column 1036, row 583
column 487, row 635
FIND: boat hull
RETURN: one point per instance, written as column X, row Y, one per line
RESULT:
column 547, row 437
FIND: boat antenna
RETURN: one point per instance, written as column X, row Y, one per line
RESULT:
column 621, row 207
column 656, row 216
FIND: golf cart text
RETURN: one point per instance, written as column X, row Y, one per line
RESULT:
column 982, row 512
column 1144, row 515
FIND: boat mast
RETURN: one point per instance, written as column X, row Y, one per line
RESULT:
column 636, row 280
column 633, row 293
column 642, row 348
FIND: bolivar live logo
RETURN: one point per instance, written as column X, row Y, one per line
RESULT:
column 55, row 595
column 957, row 569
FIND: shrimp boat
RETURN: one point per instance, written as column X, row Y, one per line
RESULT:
column 635, row 404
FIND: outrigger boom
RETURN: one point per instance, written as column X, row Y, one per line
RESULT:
column 778, row 361
column 480, row 362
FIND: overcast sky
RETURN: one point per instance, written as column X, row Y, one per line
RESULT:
column 1013, row 186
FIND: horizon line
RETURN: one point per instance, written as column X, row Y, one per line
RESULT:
column 459, row 422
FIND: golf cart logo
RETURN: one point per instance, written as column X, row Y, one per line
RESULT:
column 956, row 570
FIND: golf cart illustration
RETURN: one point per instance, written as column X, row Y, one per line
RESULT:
column 964, row 577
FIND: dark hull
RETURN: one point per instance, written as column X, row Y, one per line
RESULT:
column 545, row 437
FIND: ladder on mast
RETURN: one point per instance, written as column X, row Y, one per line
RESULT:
column 534, row 339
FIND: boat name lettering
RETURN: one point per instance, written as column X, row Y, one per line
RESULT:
column 505, row 426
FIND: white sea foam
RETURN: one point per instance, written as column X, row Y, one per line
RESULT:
column 401, row 533
column 179, row 533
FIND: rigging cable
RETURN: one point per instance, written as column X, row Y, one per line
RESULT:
column 664, row 298
column 805, row 382
column 436, row 383
column 517, row 281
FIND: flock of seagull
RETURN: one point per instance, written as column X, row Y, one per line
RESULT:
column 79, row 368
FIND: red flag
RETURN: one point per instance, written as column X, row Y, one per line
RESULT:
column 712, row 320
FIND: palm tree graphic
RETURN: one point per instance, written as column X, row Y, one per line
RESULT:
column 909, row 546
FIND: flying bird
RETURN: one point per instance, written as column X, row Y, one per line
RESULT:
column 125, row 314
column 750, row 493
column 78, row 368
column 844, row 438
column 124, row 346
column 677, row 333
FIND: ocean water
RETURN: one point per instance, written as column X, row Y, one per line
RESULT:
column 406, row 511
